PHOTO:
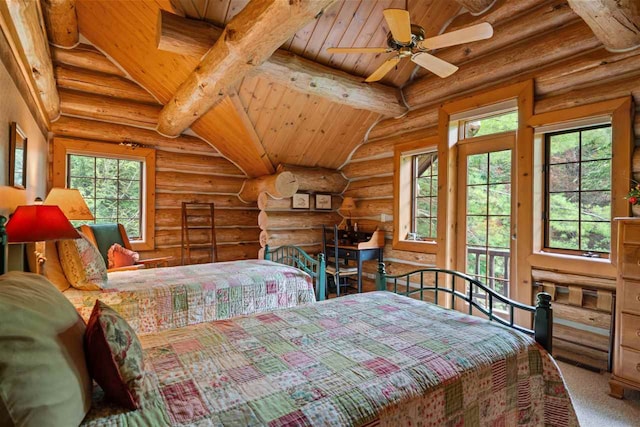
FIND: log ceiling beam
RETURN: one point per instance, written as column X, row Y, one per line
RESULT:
column 61, row 22
column 23, row 24
column 616, row 23
column 248, row 40
column 476, row 7
column 192, row 37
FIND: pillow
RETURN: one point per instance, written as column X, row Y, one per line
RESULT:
column 82, row 264
column 121, row 257
column 114, row 356
column 43, row 371
column 51, row 269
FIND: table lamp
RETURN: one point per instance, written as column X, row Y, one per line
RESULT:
column 70, row 202
column 10, row 199
column 348, row 204
column 39, row 223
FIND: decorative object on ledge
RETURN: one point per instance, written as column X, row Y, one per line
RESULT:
column 39, row 223
column 633, row 197
column 10, row 199
column 70, row 202
column 323, row 202
column 300, row 201
column 17, row 156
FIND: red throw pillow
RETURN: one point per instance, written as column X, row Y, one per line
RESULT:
column 114, row 356
column 121, row 257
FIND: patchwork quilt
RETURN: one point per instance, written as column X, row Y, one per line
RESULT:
column 156, row 299
column 368, row 359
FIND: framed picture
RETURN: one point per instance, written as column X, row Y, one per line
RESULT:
column 323, row 202
column 17, row 156
column 300, row 201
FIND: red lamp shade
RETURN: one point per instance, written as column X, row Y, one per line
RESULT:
column 38, row 223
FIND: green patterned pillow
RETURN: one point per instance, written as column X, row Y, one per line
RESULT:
column 114, row 356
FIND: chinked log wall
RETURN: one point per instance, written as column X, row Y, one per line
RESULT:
column 101, row 104
column 569, row 68
column 280, row 224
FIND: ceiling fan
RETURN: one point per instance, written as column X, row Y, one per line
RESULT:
column 409, row 40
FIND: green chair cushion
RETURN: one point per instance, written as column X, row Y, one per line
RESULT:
column 106, row 235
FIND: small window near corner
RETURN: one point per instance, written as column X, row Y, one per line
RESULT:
column 416, row 196
column 424, row 189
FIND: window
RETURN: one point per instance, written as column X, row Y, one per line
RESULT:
column 416, row 196
column 489, row 125
column 118, row 183
column 111, row 187
column 424, row 216
column 578, row 183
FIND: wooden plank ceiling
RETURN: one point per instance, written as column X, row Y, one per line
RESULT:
column 288, row 126
column 347, row 23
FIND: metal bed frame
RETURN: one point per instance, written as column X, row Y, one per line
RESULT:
column 414, row 283
column 542, row 313
column 298, row 258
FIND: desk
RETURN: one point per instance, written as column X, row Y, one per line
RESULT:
column 359, row 252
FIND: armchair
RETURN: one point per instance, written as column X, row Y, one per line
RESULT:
column 105, row 235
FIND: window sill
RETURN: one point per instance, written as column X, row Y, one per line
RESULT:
column 142, row 245
column 415, row 246
column 573, row 264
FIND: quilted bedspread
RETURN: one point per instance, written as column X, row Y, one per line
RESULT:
column 374, row 358
column 156, row 299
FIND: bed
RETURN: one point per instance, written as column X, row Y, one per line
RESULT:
column 157, row 299
column 368, row 359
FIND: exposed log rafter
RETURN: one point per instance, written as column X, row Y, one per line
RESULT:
column 192, row 37
column 22, row 19
column 616, row 23
column 62, row 22
column 248, row 40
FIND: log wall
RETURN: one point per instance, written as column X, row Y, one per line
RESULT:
column 570, row 67
column 101, row 104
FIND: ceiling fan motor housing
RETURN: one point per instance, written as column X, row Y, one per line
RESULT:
column 417, row 35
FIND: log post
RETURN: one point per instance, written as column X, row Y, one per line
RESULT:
column 319, row 180
column 23, row 17
column 279, row 185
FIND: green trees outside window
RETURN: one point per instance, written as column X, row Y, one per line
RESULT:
column 425, row 196
column 578, row 190
column 111, row 187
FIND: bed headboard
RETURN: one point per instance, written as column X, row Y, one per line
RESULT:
column 298, row 258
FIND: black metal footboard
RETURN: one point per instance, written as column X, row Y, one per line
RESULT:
column 414, row 283
column 297, row 257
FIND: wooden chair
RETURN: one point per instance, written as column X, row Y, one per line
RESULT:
column 105, row 235
column 339, row 272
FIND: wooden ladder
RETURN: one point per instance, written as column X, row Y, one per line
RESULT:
column 198, row 221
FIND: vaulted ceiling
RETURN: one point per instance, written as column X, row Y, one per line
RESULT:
column 261, row 99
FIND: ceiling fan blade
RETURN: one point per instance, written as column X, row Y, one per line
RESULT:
column 383, row 69
column 358, row 50
column 435, row 65
column 466, row 35
column 399, row 24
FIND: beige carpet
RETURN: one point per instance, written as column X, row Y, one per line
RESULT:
column 594, row 406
